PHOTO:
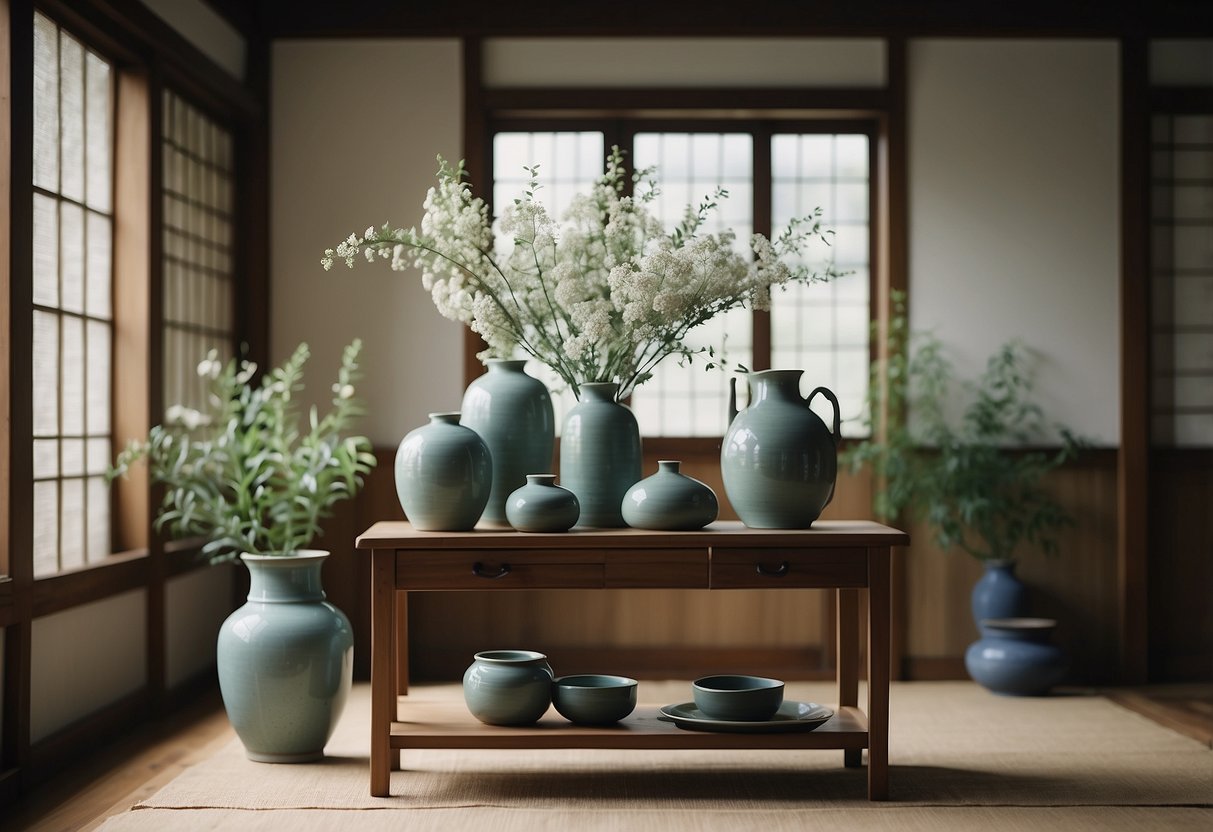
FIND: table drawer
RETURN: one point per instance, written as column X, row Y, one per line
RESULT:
column 771, row 568
column 498, row 570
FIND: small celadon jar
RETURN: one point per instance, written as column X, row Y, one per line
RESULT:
column 508, row 687
column 444, row 474
column 669, row 501
column 542, row 506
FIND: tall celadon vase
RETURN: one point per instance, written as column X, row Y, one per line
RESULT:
column 444, row 473
column 600, row 454
column 779, row 460
column 512, row 413
column 286, row 659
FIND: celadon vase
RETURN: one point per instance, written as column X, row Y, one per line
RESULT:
column 1016, row 657
column 669, row 501
column 542, row 506
column 286, row 660
column 998, row 593
column 779, row 460
column 600, row 454
column 444, row 473
column 508, row 687
column 512, row 413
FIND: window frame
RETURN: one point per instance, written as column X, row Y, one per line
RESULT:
column 619, row 114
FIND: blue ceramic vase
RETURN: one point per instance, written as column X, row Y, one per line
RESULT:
column 1015, row 656
column 669, row 501
column 542, row 506
column 444, row 473
column 508, row 687
column 998, row 593
column 779, row 460
column 600, row 454
column 512, row 413
column 285, row 660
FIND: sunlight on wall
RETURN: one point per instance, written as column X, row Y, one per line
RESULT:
column 85, row 658
column 1014, row 212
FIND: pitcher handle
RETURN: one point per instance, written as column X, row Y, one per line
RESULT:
column 837, row 413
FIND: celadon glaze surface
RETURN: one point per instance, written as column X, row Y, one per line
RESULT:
column 508, row 687
column 512, row 413
column 600, row 454
column 444, row 473
column 542, row 506
column 669, row 501
column 285, row 660
column 779, row 460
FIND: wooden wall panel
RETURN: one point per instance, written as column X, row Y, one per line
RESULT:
column 1078, row 587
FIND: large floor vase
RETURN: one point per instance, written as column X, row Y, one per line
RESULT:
column 600, row 454
column 512, row 413
column 286, row 660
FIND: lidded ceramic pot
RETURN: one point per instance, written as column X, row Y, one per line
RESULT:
column 669, row 501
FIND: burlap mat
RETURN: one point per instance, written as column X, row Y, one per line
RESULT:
column 952, row 744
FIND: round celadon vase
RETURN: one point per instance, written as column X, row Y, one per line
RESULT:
column 779, row 460
column 600, row 454
column 669, row 501
column 512, row 413
column 285, row 659
column 444, row 474
column 542, row 506
column 1016, row 657
column 508, row 687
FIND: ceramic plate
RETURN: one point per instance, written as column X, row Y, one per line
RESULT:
column 791, row 716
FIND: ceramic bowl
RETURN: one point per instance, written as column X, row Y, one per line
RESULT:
column 594, row 699
column 738, row 698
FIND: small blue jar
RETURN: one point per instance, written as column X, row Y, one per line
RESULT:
column 1015, row 656
column 542, row 506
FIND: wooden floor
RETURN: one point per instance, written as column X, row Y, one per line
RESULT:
column 110, row 781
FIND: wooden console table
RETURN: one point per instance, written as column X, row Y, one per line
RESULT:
column 847, row 556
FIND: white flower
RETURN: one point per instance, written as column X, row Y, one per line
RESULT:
column 604, row 294
column 210, row 367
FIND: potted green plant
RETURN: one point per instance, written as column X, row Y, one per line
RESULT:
column 246, row 479
column 974, row 479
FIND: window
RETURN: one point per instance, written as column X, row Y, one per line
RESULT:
column 1182, row 281
column 771, row 177
column 199, row 289
column 72, row 307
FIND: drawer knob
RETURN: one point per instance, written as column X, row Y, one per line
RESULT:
column 777, row 572
column 480, row 572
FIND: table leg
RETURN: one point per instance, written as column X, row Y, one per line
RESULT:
column 383, row 657
column 401, row 631
column 846, row 627
column 879, row 624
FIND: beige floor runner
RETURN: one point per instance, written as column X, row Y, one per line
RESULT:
column 953, row 745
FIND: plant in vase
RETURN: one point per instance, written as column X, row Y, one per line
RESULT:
column 971, row 479
column 601, row 298
column 247, row 480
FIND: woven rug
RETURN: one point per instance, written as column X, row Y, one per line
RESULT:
column 959, row 755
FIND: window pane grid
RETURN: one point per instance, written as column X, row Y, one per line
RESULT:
column 686, row 399
column 199, row 285
column 1182, row 281
column 72, row 300
column 823, row 329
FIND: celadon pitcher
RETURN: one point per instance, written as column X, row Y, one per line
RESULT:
column 779, row 460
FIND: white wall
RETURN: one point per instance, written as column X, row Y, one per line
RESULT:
column 85, row 658
column 1014, row 212
column 195, row 605
column 356, row 128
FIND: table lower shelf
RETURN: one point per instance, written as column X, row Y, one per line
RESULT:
column 449, row 725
